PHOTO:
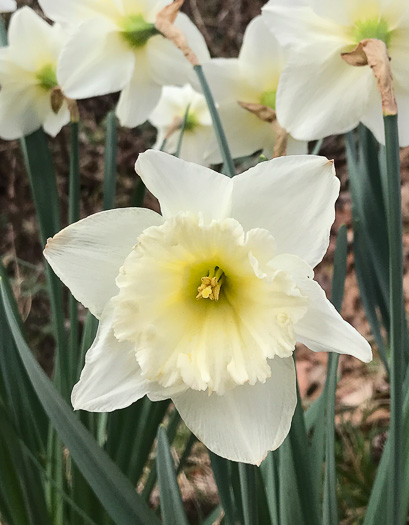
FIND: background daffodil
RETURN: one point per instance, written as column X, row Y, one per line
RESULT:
column 319, row 94
column 252, row 78
column 204, row 303
column 28, row 77
column 115, row 47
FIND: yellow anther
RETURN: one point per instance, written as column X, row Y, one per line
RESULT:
column 210, row 287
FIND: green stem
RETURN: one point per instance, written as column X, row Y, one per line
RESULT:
column 394, row 223
column 248, row 493
column 218, row 128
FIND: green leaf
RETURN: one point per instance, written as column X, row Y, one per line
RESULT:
column 110, row 169
column 220, row 467
column 248, row 493
column 171, row 503
column 111, row 487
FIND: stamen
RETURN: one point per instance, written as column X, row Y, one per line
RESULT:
column 211, row 284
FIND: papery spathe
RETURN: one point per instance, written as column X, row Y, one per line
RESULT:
column 205, row 303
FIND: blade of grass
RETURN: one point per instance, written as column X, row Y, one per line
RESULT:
column 171, row 503
column 217, row 124
column 111, row 487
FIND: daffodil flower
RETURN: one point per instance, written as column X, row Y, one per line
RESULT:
column 251, row 78
column 28, row 77
column 115, row 47
column 168, row 118
column 204, row 304
column 319, row 94
column 7, row 6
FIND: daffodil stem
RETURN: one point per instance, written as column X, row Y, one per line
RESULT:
column 217, row 124
column 110, row 162
column 394, row 223
column 73, row 216
column 3, row 33
column 182, row 132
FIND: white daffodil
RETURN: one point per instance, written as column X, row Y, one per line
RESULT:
column 28, row 77
column 205, row 303
column 168, row 117
column 7, row 6
column 117, row 48
column 319, row 94
column 251, row 78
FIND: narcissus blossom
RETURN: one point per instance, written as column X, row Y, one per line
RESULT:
column 251, row 78
column 168, row 118
column 28, row 77
column 115, row 47
column 319, row 94
column 7, row 6
column 204, row 303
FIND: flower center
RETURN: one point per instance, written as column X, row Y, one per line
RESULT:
column 211, row 284
column 372, row 28
column 268, row 98
column 191, row 122
column 136, row 31
column 205, row 304
column 47, row 77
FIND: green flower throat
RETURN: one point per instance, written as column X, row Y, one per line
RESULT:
column 372, row 28
column 136, row 31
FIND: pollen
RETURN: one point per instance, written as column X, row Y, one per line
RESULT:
column 211, row 285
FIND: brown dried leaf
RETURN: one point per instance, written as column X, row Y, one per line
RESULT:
column 374, row 53
column 56, row 99
column 165, row 24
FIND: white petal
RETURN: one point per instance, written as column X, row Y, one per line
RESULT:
column 19, row 110
column 296, row 147
column 140, row 96
column 169, row 65
column 293, row 198
column 321, row 95
column 244, row 423
column 297, row 26
column 75, row 11
column 261, row 56
column 245, row 133
column 87, row 255
column 226, row 81
column 32, row 42
column 111, row 378
column 7, row 6
column 95, row 60
column 55, row 121
column 322, row 329
column 183, row 186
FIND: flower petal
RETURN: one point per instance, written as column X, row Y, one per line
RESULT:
column 322, row 328
column 75, row 11
column 235, row 120
column 321, row 95
column 95, row 60
column 19, row 110
column 226, row 81
column 53, row 122
column 169, row 65
column 244, row 423
column 140, row 96
column 261, row 56
column 293, row 198
column 7, row 6
column 183, row 186
column 87, row 255
column 111, row 378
